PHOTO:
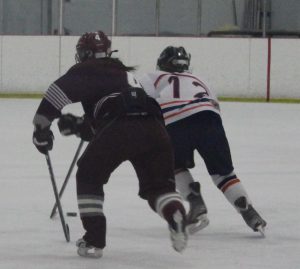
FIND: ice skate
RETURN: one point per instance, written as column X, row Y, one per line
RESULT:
column 197, row 216
column 178, row 233
column 86, row 250
column 250, row 216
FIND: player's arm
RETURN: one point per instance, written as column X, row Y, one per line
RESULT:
column 59, row 94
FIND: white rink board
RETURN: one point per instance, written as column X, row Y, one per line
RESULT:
column 28, row 63
column 234, row 67
column 285, row 75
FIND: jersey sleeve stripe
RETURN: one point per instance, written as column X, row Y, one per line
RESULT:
column 57, row 97
column 62, row 94
column 54, row 99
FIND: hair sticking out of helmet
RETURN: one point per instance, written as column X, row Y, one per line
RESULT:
column 174, row 59
column 93, row 45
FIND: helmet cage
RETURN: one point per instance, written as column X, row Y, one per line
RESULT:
column 174, row 59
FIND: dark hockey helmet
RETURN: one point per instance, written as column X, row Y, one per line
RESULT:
column 93, row 45
column 174, row 59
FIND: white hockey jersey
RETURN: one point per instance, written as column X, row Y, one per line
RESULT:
column 179, row 94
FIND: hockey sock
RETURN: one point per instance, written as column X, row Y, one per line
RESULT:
column 183, row 179
column 167, row 204
column 231, row 187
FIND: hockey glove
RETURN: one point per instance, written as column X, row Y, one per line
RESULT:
column 69, row 124
column 43, row 139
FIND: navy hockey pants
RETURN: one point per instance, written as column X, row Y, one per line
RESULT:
column 203, row 132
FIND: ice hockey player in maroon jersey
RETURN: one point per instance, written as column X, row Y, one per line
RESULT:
column 124, row 124
column 192, row 116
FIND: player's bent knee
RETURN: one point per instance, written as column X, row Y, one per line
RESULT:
column 223, row 179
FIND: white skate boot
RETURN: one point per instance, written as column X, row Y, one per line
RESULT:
column 178, row 233
column 86, row 250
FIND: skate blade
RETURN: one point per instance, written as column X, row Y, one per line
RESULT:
column 261, row 230
column 203, row 221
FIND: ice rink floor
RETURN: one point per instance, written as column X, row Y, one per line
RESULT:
column 265, row 147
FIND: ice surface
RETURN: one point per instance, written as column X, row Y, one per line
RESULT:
column 265, row 146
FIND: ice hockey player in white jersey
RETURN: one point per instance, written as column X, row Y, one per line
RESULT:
column 192, row 117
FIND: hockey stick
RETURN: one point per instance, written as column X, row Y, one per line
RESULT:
column 61, row 214
column 53, row 212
